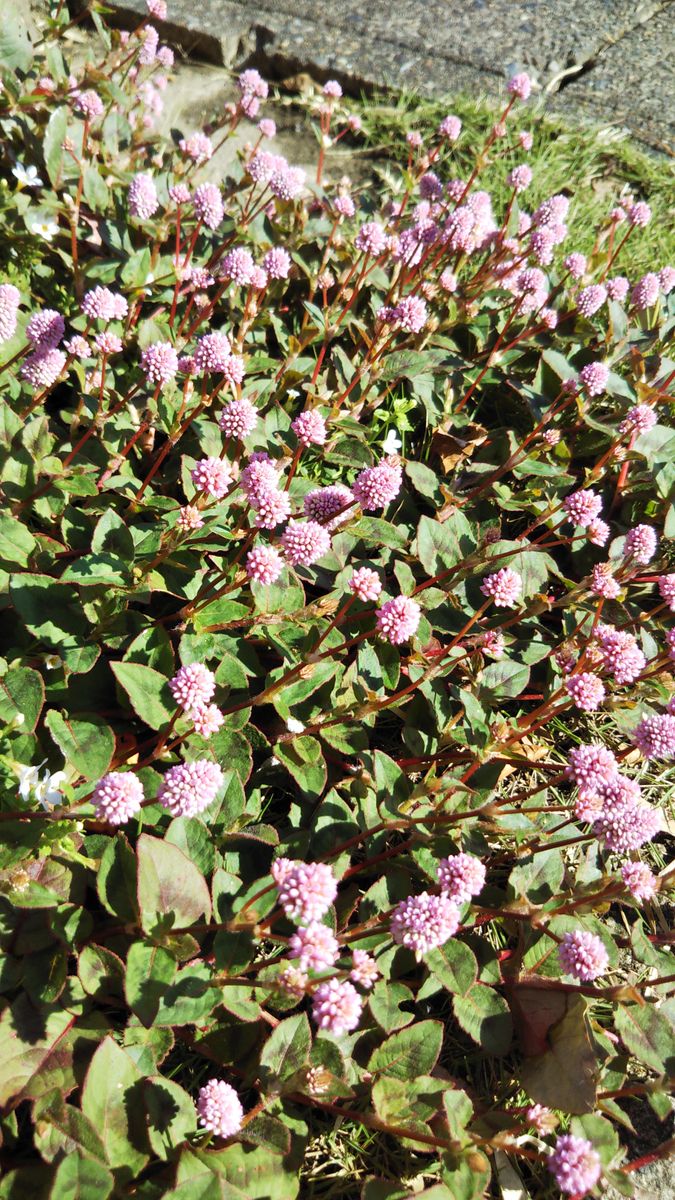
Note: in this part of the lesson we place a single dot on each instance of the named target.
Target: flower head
(603, 582)
(365, 584)
(590, 766)
(118, 797)
(504, 587)
(639, 880)
(329, 506)
(617, 288)
(520, 85)
(397, 619)
(310, 428)
(639, 214)
(213, 352)
(219, 1108)
(208, 205)
(142, 197)
(46, 329)
(520, 177)
(622, 657)
(639, 419)
(336, 1006)
(305, 542)
(238, 419)
(423, 922)
(10, 299)
(364, 969)
(461, 876)
(667, 589)
(574, 1165)
(159, 362)
(193, 686)
(586, 690)
(315, 946)
(450, 127)
(590, 299)
(655, 736)
(213, 476)
(582, 507)
(207, 719)
(42, 368)
(277, 263)
(594, 378)
(197, 147)
(371, 239)
(306, 890)
(582, 955)
(640, 545)
(375, 487)
(102, 304)
(264, 564)
(646, 291)
(189, 788)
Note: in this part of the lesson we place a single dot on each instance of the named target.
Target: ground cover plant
(336, 690)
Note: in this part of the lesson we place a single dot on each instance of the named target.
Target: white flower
(47, 791)
(44, 229)
(26, 176)
(392, 443)
(294, 726)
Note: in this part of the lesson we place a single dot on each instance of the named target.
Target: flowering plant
(357, 765)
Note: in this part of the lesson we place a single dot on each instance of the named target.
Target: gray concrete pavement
(609, 60)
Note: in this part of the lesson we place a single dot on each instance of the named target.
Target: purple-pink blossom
(264, 564)
(277, 263)
(398, 619)
(639, 880)
(219, 1109)
(213, 476)
(504, 587)
(646, 291)
(591, 299)
(575, 1165)
(365, 584)
(10, 299)
(118, 797)
(582, 507)
(315, 945)
(159, 362)
(594, 378)
(461, 876)
(655, 736)
(238, 419)
(371, 239)
(336, 1006)
(586, 690)
(375, 487)
(364, 969)
(193, 685)
(208, 205)
(421, 923)
(330, 506)
(310, 428)
(305, 542)
(306, 890)
(641, 543)
(583, 955)
(189, 788)
(142, 197)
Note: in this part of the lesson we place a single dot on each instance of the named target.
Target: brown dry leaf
(564, 1076)
(451, 450)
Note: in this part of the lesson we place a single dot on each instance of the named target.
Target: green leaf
(16, 542)
(190, 999)
(386, 1001)
(409, 1053)
(96, 191)
(539, 877)
(303, 759)
(52, 145)
(116, 879)
(148, 692)
(171, 1114)
(51, 610)
(378, 532)
(88, 746)
(600, 1132)
(504, 679)
(92, 570)
(16, 48)
(287, 1048)
(111, 1101)
(149, 970)
(454, 966)
(80, 1178)
(486, 1017)
(171, 891)
(444, 545)
(28, 1036)
(649, 1033)
(61, 1128)
(22, 691)
(100, 972)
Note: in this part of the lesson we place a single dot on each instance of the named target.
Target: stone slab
(605, 59)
